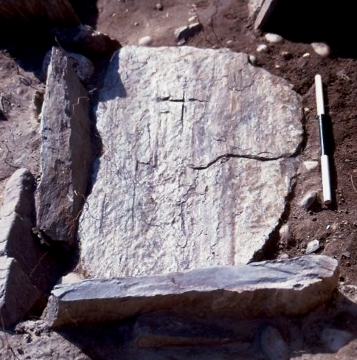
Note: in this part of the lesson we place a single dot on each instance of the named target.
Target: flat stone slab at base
(264, 289)
(196, 162)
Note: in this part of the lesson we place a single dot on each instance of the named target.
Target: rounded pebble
(286, 55)
(285, 235)
(321, 49)
(71, 278)
(159, 7)
(306, 55)
(145, 41)
(273, 38)
(252, 59)
(308, 200)
(312, 246)
(262, 48)
(311, 165)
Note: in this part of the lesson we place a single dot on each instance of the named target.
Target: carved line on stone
(226, 157)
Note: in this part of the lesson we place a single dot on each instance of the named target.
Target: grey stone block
(272, 288)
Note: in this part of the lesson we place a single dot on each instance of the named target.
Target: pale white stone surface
(196, 162)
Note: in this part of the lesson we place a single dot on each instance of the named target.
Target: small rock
(312, 246)
(71, 278)
(252, 59)
(308, 200)
(262, 48)
(159, 7)
(283, 256)
(342, 75)
(273, 345)
(321, 49)
(37, 102)
(145, 41)
(306, 109)
(285, 235)
(229, 42)
(186, 32)
(335, 339)
(306, 55)
(136, 24)
(273, 38)
(346, 254)
(311, 165)
(286, 55)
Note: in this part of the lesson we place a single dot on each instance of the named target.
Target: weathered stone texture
(196, 162)
(285, 287)
(254, 6)
(17, 294)
(17, 219)
(65, 151)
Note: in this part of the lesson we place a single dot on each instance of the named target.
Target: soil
(226, 23)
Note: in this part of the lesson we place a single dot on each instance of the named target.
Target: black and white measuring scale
(325, 167)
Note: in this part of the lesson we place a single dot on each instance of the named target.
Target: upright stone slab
(65, 152)
(196, 162)
(17, 294)
(17, 240)
(265, 289)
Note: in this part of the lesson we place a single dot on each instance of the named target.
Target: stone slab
(17, 220)
(264, 289)
(196, 163)
(17, 294)
(65, 152)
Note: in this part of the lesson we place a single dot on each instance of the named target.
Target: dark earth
(226, 23)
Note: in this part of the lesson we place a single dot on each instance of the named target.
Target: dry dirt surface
(225, 24)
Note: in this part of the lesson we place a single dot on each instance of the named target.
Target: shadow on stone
(163, 335)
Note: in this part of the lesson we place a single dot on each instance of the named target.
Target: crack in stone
(226, 157)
